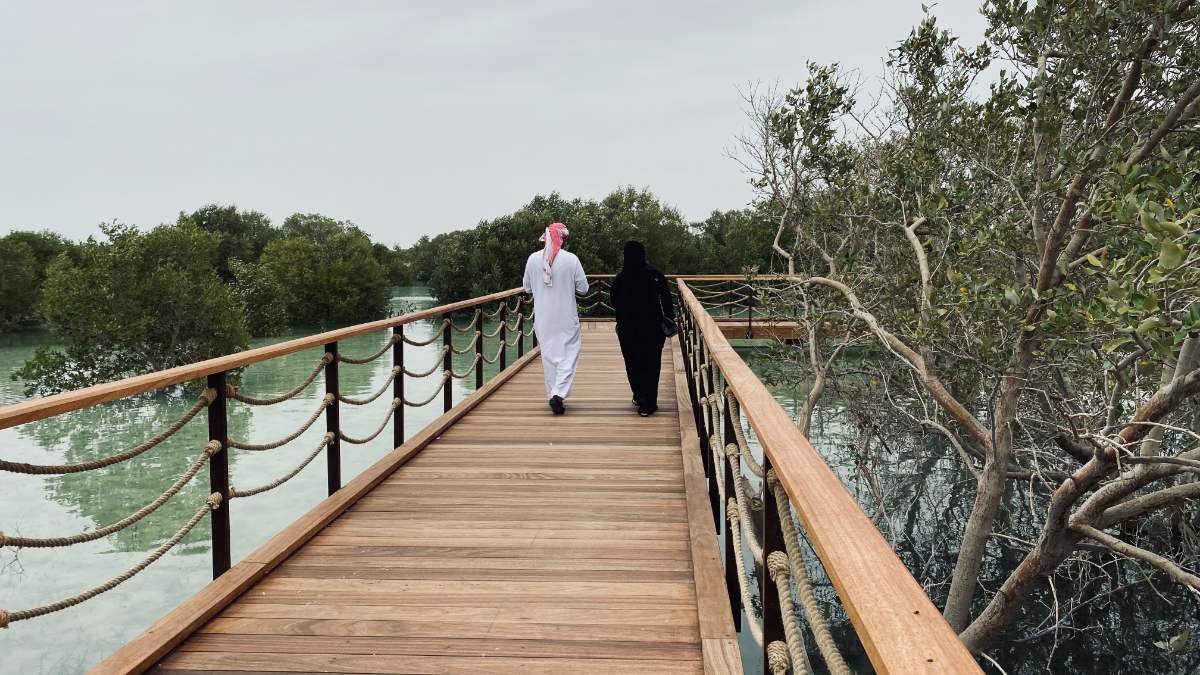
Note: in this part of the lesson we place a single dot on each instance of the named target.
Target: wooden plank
(899, 627)
(141, 652)
(718, 637)
(49, 406)
(361, 663)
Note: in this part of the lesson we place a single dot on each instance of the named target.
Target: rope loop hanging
(379, 392)
(235, 394)
(325, 441)
(396, 403)
(436, 391)
(432, 339)
(211, 504)
(469, 371)
(467, 347)
(392, 340)
(210, 449)
(246, 445)
(205, 400)
(437, 365)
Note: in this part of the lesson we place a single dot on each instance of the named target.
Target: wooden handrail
(49, 406)
(898, 625)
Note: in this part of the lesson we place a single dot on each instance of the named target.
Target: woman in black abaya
(642, 301)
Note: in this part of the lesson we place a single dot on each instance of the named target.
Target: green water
(72, 640)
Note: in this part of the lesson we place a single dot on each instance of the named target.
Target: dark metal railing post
(772, 540)
(448, 363)
(731, 574)
(218, 474)
(503, 334)
(478, 348)
(398, 385)
(333, 452)
(520, 331)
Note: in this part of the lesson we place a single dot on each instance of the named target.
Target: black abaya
(641, 299)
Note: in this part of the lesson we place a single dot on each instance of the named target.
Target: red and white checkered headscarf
(554, 236)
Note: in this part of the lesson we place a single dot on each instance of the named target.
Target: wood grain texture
(900, 628)
(515, 541)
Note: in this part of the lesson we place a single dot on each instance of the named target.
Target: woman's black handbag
(667, 326)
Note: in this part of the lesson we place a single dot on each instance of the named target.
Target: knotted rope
(743, 502)
(203, 402)
(467, 347)
(740, 435)
(367, 359)
(470, 369)
(778, 568)
(211, 448)
(436, 365)
(445, 378)
(421, 343)
(499, 350)
(777, 660)
(233, 393)
(213, 503)
(469, 327)
(753, 621)
(396, 403)
(799, 572)
(384, 387)
(246, 445)
(325, 441)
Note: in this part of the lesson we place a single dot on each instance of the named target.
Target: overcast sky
(407, 118)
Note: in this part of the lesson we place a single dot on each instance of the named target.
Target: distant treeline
(492, 255)
(136, 301)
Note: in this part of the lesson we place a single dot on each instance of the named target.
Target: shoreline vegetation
(133, 301)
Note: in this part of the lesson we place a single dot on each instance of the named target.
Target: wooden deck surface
(515, 542)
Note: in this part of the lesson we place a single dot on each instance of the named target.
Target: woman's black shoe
(556, 404)
(646, 412)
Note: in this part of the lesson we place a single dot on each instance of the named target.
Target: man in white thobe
(554, 276)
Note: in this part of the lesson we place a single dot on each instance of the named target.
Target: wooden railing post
(448, 362)
(333, 452)
(218, 474)
(750, 313)
(398, 385)
(772, 540)
(478, 348)
(503, 334)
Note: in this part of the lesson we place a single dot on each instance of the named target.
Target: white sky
(407, 118)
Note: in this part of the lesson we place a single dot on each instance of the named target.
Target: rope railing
(396, 403)
(437, 365)
(58, 542)
(7, 618)
(470, 369)
(203, 402)
(753, 620)
(216, 397)
(436, 391)
(387, 347)
(236, 394)
(235, 493)
(271, 445)
(432, 339)
(387, 383)
(726, 391)
(467, 347)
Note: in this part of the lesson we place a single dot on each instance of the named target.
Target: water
(73, 640)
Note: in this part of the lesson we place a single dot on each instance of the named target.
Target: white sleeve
(581, 282)
(527, 283)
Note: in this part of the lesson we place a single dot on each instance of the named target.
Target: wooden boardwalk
(515, 542)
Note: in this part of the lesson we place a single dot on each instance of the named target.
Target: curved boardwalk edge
(146, 649)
